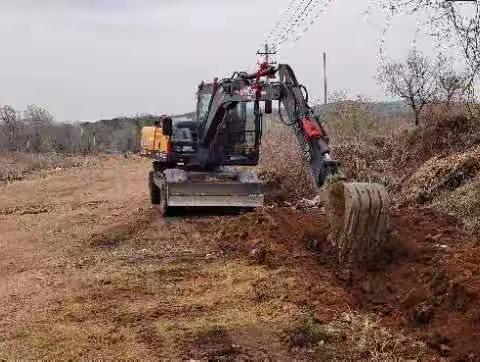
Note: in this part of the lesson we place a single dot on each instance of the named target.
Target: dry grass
(358, 121)
(443, 174)
(442, 134)
(464, 203)
(397, 156)
(282, 166)
(16, 166)
(360, 138)
(148, 288)
(200, 310)
(435, 165)
(356, 336)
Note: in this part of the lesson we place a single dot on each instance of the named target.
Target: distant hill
(392, 108)
(387, 109)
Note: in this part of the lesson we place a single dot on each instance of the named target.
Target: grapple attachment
(358, 214)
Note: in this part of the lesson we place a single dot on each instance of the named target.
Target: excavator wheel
(158, 195)
(155, 196)
(358, 215)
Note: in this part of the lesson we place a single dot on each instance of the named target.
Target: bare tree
(38, 123)
(10, 125)
(454, 22)
(466, 29)
(414, 81)
(452, 87)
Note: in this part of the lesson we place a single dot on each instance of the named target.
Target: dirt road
(89, 270)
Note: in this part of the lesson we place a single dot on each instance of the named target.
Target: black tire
(155, 194)
(162, 205)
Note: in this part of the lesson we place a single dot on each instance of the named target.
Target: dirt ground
(89, 270)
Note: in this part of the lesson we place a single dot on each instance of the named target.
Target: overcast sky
(88, 59)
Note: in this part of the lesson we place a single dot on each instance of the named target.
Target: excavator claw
(358, 214)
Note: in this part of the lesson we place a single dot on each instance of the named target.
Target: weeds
(308, 334)
(282, 166)
(16, 166)
(357, 336)
(352, 337)
(443, 174)
(463, 202)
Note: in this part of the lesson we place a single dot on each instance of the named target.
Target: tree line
(35, 130)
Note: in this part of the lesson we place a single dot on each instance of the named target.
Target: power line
(322, 10)
(283, 19)
(295, 8)
(295, 21)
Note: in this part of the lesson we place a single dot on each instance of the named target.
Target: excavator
(209, 158)
(153, 142)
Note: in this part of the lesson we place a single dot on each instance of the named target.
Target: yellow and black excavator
(153, 142)
(203, 155)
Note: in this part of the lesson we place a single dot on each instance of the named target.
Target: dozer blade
(201, 189)
(358, 214)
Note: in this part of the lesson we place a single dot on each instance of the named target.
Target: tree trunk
(417, 118)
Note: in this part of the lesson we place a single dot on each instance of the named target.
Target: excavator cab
(239, 135)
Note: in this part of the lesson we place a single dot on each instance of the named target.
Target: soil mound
(269, 235)
(442, 174)
(426, 282)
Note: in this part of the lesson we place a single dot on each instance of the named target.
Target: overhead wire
(295, 21)
(293, 10)
(309, 21)
(286, 15)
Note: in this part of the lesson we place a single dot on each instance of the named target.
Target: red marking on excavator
(312, 129)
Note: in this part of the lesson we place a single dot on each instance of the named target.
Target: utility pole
(325, 84)
(267, 53)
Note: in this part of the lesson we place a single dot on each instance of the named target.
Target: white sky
(90, 59)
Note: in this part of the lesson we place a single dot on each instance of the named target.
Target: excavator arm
(310, 133)
(358, 212)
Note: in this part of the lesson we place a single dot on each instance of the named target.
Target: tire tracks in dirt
(102, 276)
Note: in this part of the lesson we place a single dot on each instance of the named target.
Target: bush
(464, 203)
(282, 166)
(443, 174)
(16, 166)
